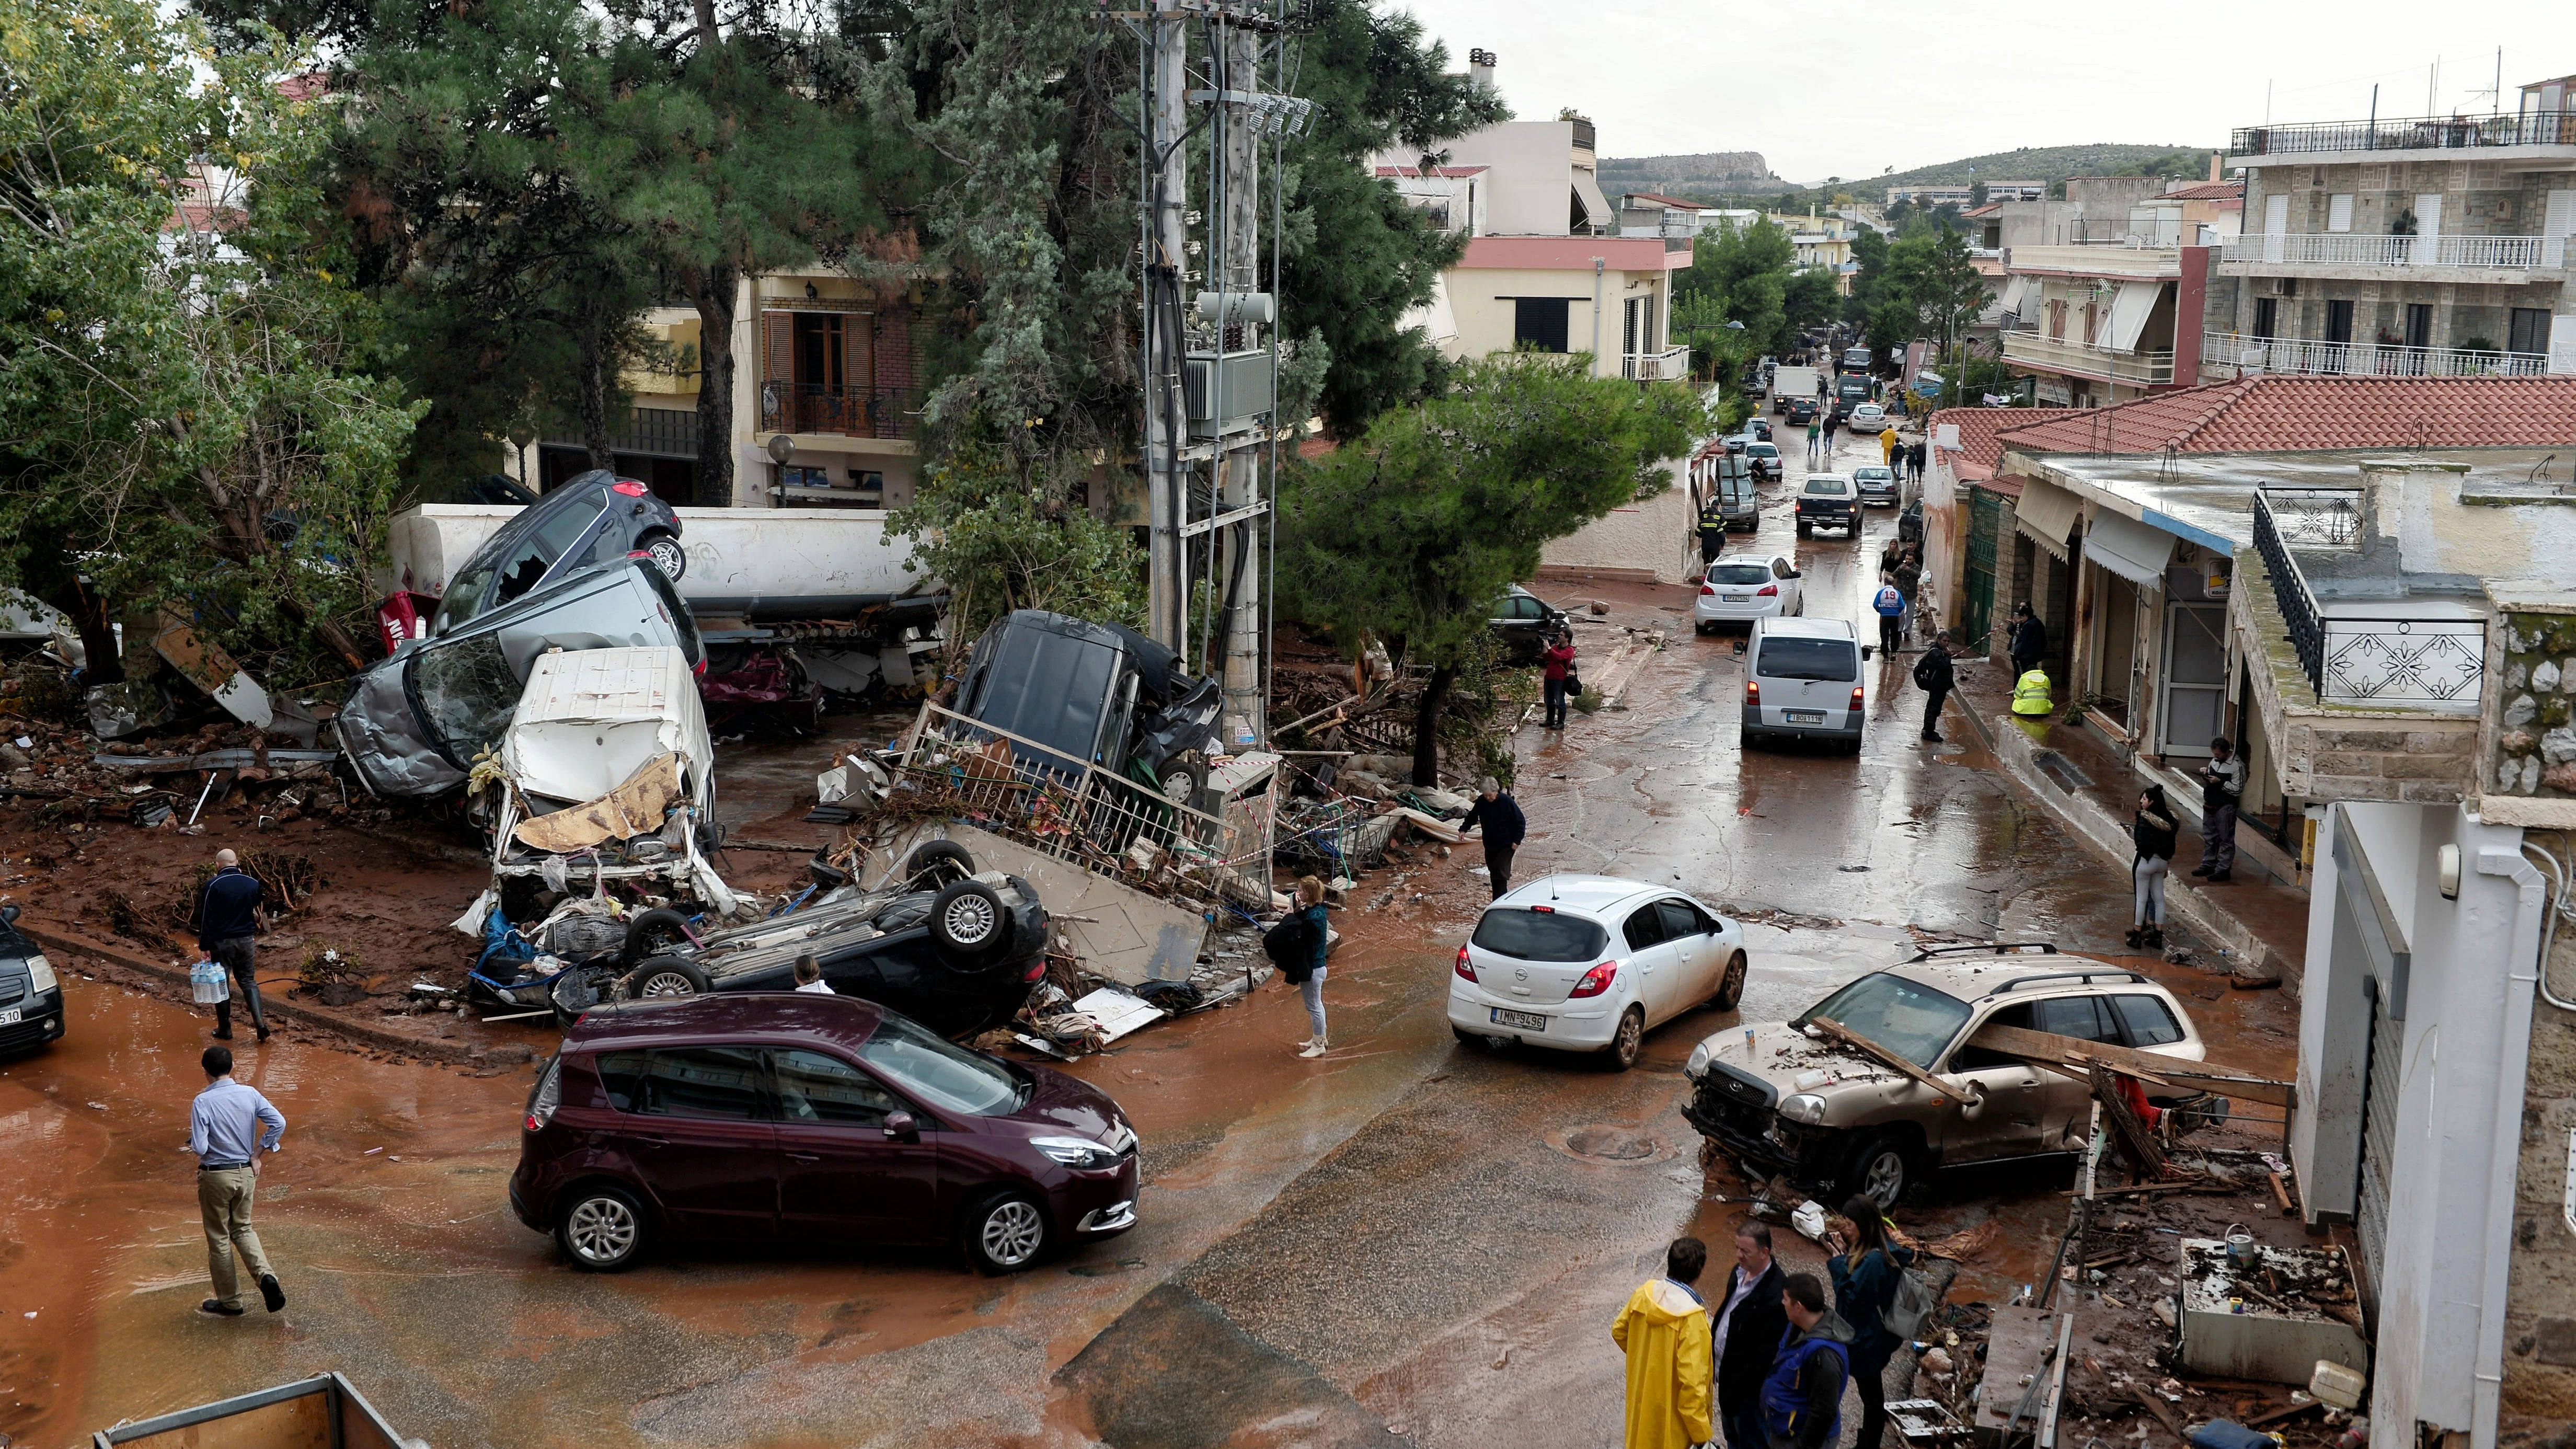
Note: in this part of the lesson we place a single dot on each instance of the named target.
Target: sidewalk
(2256, 920)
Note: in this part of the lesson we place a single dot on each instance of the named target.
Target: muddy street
(1408, 1240)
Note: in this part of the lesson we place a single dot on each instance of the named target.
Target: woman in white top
(809, 975)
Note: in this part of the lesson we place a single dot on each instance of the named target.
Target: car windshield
(939, 1073)
(1743, 573)
(467, 694)
(1912, 1020)
(1873, 475)
(1533, 935)
(464, 597)
(1808, 659)
(1764, 450)
(1835, 487)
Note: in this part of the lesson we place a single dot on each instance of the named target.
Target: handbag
(1911, 1304)
(1573, 682)
(210, 983)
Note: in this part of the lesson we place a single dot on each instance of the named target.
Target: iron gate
(1977, 600)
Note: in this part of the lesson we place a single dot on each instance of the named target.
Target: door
(2557, 222)
(2527, 331)
(1976, 610)
(1652, 956)
(2276, 227)
(2428, 229)
(1697, 960)
(2195, 682)
(2008, 1125)
(698, 1135)
(2339, 321)
(2266, 317)
(2380, 1082)
(838, 1173)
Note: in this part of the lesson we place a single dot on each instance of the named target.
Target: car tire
(601, 1229)
(657, 932)
(1628, 1043)
(935, 864)
(1743, 742)
(666, 553)
(1183, 776)
(1805, 529)
(969, 922)
(1005, 1233)
(666, 978)
(1730, 986)
(1882, 1171)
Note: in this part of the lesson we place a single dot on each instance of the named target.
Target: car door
(839, 1173)
(2010, 1122)
(699, 1136)
(1692, 938)
(2067, 1108)
(1651, 957)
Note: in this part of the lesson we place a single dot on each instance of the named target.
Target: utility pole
(1165, 86)
(1237, 275)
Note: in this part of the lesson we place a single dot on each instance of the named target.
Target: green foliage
(1001, 543)
(2182, 165)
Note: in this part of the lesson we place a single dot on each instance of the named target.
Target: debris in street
(1116, 1012)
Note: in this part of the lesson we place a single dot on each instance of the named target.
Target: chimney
(2217, 165)
(1480, 69)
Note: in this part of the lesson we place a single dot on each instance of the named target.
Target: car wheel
(1743, 742)
(1630, 1039)
(667, 555)
(657, 932)
(969, 922)
(1805, 529)
(937, 863)
(666, 978)
(601, 1230)
(1881, 1171)
(1730, 987)
(1182, 776)
(1006, 1234)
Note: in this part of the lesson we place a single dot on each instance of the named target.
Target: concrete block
(2351, 787)
(2355, 739)
(2424, 767)
(2432, 792)
(2461, 741)
(2346, 762)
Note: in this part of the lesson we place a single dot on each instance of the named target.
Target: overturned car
(1093, 694)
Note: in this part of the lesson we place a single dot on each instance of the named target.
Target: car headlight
(1806, 1108)
(1076, 1151)
(40, 973)
(1697, 1066)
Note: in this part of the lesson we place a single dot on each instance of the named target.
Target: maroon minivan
(739, 1118)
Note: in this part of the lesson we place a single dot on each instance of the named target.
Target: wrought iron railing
(2290, 591)
(2381, 661)
(884, 412)
(2362, 359)
(2433, 133)
(2315, 518)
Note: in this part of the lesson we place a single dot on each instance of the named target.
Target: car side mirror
(1739, 647)
(8, 915)
(1865, 650)
(900, 1127)
(1797, 573)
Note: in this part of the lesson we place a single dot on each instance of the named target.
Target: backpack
(1911, 1305)
(1925, 676)
(1290, 945)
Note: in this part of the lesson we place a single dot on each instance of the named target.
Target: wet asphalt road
(1410, 1241)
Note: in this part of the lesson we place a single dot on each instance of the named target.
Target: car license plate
(1806, 716)
(9, 1017)
(1737, 598)
(1526, 1021)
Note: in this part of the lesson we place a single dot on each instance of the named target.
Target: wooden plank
(2277, 1415)
(2136, 1142)
(2281, 1194)
(2164, 1415)
(2048, 1047)
(1836, 1031)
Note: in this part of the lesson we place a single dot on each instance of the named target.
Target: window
(2419, 324)
(1526, 935)
(2338, 321)
(803, 477)
(1979, 1059)
(2087, 1018)
(1538, 324)
(945, 1075)
(1682, 920)
(1645, 928)
(1825, 659)
(2527, 330)
(813, 1087)
(2150, 1021)
(2339, 213)
(2266, 317)
(1907, 1018)
(819, 352)
(710, 1082)
(1746, 574)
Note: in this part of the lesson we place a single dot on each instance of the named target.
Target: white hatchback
(1589, 963)
(1738, 591)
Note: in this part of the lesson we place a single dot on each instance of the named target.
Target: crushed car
(1093, 694)
(588, 520)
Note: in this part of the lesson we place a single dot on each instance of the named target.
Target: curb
(2097, 828)
(277, 1007)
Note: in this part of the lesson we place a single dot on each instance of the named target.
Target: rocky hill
(1699, 175)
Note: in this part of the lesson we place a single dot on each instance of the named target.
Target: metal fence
(2381, 661)
(2315, 518)
(2431, 133)
(2362, 359)
(884, 412)
(2366, 249)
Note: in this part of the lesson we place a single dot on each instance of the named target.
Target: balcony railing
(2442, 133)
(883, 412)
(2144, 369)
(2316, 520)
(2378, 661)
(1670, 365)
(2361, 359)
(2360, 249)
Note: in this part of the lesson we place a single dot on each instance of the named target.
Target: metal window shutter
(2378, 1133)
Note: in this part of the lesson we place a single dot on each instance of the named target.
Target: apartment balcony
(2360, 256)
(2247, 354)
(883, 412)
(2049, 354)
(1670, 365)
(2538, 136)
(2126, 257)
(2382, 655)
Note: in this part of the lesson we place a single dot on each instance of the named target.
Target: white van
(1802, 677)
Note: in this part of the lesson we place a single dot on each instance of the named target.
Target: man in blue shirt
(229, 1126)
(226, 919)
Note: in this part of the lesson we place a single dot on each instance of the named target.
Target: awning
(2130, 549)
(1587, 194)
(2129, 313)
(2047, 513)
(2015, 290)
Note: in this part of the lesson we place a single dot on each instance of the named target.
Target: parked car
(1801, 411)
(1738, 591)
(1093, 694)
(1868, 418)
(414, 723)
(1591, 963)
(1877, 485)
(590, 519)
(1828, 501)
(1802, 680)
(1850, 393)
(1730, 484)
(954, 948)
(1524, 623)
(1759, 427)
(810, 1119)
(31, 996)
(1765, 458)
(1787, 1101)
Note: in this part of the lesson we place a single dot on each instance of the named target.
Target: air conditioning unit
(1248, 391)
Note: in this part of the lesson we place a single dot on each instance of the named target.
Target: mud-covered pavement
(1406, 1241)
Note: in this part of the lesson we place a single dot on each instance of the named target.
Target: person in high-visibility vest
(2030, 694)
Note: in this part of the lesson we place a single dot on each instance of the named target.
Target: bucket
(2241, 1250)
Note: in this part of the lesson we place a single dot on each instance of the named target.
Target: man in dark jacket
(1747, 1330)
(1802, 1399)
(2028, 641)
(1932, 673)
(226, 918)
(1500, 817)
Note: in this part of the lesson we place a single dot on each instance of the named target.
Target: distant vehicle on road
(31, 996)
(1738, 591)
(1877, 485)
(1850, 393)
(1759, 427)
(1784, 1099)
(1802, 681)
(1856, 359)
(1590, 963)
(1801, 411)
(1765, 458)
(1791, 384)
(1828, 501)
(1868, 417)
(814, 1119)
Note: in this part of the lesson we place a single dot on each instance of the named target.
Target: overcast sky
(1853, 89)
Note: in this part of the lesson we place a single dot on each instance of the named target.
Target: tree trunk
(1426, 725)
(88, 615)
(711, 290)
(597, 367)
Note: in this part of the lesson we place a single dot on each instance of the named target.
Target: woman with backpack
(1868, 1267)
(2153, 833)
(1297, 945)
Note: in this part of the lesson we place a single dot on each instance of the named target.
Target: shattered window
(467, 694)
(1908, 1018)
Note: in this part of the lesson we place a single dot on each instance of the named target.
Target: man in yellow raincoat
(1664, 1330)
(2030, 694)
